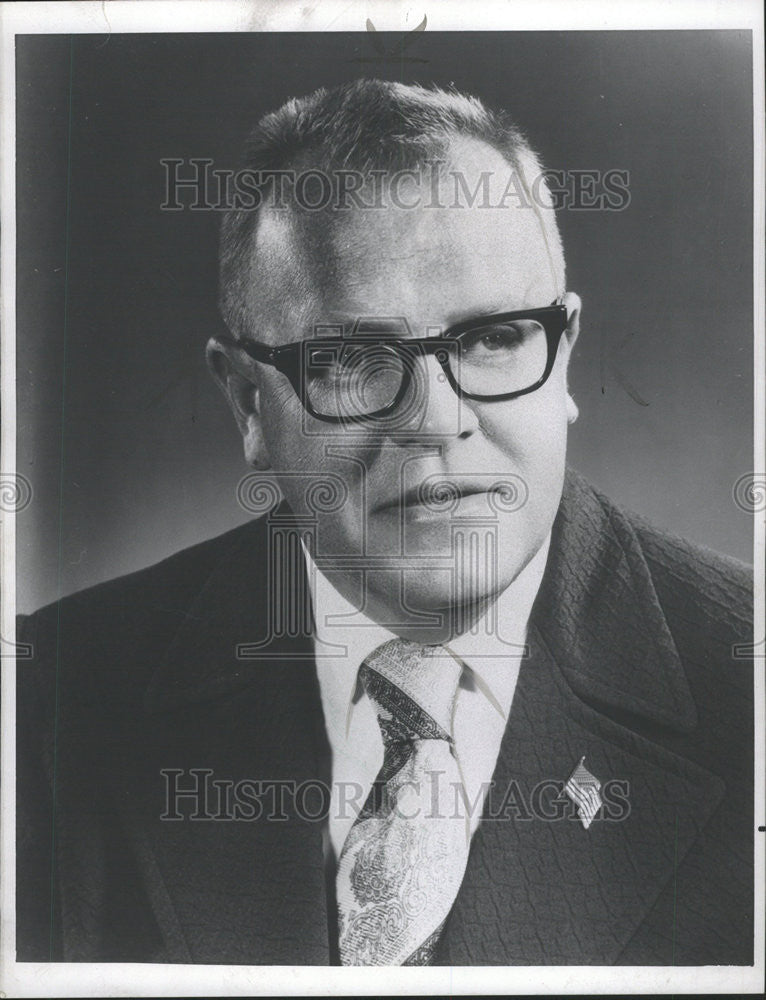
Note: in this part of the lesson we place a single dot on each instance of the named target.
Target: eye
(498, 339)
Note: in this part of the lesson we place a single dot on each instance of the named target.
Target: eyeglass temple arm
(258, 352)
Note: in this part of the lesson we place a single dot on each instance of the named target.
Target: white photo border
(192, 16)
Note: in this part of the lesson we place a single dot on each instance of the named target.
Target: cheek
(308, 456)
(531, 431)
(283, 420)
(531, 435)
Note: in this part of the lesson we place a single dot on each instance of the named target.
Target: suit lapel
(243, 882)
(602, 678)
(545, 890)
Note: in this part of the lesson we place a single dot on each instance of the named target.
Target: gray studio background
(127, 444)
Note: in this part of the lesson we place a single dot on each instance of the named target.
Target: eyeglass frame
(288, 358)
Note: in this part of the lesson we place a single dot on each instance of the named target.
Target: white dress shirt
(490, 656)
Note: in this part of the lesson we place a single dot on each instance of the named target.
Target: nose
(438, 411)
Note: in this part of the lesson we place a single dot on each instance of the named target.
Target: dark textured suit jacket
(631, 664)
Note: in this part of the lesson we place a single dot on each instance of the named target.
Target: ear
(573, 304)
(243, 396)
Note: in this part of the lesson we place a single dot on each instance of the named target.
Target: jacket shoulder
(706, 599)
(692, 583)
(108, 637)
(707, 589)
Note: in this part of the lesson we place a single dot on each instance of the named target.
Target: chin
(478, 571)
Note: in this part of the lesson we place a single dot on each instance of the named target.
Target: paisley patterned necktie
(404, 858)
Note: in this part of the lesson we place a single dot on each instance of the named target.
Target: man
(445, 704)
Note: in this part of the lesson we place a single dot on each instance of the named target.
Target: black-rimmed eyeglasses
(368, 374)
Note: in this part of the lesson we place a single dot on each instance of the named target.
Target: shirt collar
(344, 637)
(499, 638)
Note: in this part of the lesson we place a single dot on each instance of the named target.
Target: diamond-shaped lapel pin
(583, 789)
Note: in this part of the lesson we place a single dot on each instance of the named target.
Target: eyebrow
(491, 310)
(391, 324)
(347, 318)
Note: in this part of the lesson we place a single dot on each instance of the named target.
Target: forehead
(439, 245)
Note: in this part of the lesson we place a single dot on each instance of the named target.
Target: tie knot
(415, 684)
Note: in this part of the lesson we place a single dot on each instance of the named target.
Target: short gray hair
(365, 125)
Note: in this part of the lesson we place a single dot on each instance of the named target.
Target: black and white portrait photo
(383, 499)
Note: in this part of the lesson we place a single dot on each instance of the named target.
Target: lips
(434, 495)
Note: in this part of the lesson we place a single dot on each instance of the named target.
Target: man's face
(434, 267)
